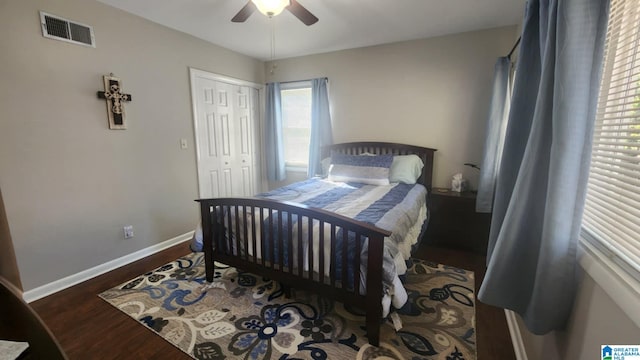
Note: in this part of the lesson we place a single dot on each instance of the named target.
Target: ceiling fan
(274, 7)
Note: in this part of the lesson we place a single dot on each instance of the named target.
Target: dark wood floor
(89, 328)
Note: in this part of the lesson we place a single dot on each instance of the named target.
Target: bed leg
(374, 289)
(209, 265)
(207, 239)
(287, 290)
(373, 329)
(209, 271)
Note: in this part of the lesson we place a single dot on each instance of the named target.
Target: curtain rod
(295, 81)
(514, 47)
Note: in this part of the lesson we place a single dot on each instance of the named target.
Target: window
(611, 219)
(296, 124)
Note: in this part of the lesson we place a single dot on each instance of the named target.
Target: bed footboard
(271, 238)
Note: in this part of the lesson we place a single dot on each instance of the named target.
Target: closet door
(245, 141)
(207, 129)
(225, 116)
(227, 139)
(255, 139)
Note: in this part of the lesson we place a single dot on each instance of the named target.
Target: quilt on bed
(399, 208)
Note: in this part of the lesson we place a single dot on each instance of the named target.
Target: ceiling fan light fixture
(271, 7)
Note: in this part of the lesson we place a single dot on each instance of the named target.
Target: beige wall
(69, 183)
(433, 92)
(596, 320)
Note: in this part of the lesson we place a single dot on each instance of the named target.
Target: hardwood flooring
(89, 328)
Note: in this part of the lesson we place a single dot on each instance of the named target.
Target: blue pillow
(363, 169)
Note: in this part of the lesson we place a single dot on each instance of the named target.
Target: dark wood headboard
(384, 148)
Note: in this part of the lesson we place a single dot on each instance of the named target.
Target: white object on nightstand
(458, 184)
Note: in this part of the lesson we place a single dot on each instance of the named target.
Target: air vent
(55, 27)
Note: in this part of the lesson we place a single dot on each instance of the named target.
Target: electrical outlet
(128, 231)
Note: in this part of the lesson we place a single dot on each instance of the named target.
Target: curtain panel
(321, 133)
(274, 148)
(541, 185)
(496, 130)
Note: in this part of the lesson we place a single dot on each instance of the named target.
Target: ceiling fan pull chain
(273, 44)
(273, 38)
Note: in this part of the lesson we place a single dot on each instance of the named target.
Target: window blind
(296, 124)
(612, 210)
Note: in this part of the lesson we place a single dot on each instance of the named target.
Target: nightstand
(454, 222)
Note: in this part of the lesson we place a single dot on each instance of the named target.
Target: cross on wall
(115, 101)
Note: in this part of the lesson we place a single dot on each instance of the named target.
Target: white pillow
(406, 169)
(373, 170)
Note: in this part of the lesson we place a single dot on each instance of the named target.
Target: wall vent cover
(55, 27)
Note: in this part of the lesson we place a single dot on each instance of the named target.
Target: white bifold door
(226, 118)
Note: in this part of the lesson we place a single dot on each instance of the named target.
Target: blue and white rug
(245, 316)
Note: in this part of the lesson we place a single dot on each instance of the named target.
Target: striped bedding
(399, 208)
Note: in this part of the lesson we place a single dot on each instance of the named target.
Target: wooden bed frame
(229, 250)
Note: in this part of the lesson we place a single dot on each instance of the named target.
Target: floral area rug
(245, 316)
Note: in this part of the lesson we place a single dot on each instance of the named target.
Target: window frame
(613, 271)
(295, 85)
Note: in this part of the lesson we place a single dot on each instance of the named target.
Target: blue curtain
(321, 133)
(496, 129)
(274, 147)
(540, 188)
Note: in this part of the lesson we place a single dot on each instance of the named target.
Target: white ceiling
(343, 24)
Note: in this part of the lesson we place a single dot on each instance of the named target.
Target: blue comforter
(399, 208)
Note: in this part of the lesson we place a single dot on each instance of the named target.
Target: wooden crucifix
(115, 101)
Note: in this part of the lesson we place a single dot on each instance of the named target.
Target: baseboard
(58, 285)
(516, 336)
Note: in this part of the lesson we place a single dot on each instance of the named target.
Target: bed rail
(266, 237)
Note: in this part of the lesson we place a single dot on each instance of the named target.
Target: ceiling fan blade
(302, 13)
(245, 12)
